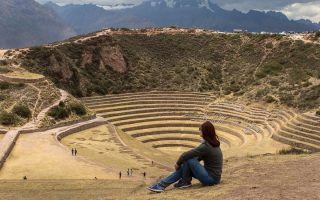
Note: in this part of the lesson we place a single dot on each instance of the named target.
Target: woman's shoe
(156, 188)
(182, 184)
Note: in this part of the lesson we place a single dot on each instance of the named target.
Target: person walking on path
(120, 174)
(188, 165)
(144, 175)
(128, 172)
(72, 151)
(75, 151)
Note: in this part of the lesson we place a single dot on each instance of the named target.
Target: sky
(294, 9)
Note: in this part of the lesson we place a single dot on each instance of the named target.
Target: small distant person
(25, 178)
(72, 151)
(95, 178)
(75, 151)
(152, 163)
(144, 175)
(120, 174)
(128, 172)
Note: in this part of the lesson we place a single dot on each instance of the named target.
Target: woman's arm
(196, 152)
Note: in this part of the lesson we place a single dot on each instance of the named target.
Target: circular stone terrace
(169, 121)
(147, 131)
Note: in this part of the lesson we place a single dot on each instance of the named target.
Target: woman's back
(213, 160)
(211, 156)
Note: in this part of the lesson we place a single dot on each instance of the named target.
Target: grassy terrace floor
(23, 75)
(100, 154)
(99, 146)
(40, 156)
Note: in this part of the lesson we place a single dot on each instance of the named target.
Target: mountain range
(27, 22)
(181, 13)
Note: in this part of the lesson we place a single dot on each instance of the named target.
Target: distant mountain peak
(208, 4)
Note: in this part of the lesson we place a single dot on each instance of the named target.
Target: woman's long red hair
(209, 134)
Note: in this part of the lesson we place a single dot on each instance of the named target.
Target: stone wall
(9, 140)
(68, 123)
(6, 145)
(83, 127)
(21, 80)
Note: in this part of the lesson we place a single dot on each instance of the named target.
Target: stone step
(296, 143)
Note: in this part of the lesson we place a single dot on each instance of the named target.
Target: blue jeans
(190, 168)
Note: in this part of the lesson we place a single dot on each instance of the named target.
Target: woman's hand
(176, 166)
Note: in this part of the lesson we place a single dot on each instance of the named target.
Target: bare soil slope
(262, 177)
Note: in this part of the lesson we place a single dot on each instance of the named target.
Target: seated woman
(188, 165)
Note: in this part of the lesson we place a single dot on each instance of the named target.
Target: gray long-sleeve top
(211, 156)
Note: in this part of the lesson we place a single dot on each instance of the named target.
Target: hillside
(268, 68)
(26, 23)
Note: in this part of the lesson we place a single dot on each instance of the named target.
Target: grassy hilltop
(269, 68)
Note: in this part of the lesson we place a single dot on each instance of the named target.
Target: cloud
(242, 5)
(246, 5)
(97, 2)
(309, 10)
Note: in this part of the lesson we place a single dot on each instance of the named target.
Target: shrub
(262, 92)
(274, 82)
(234, 88)
(306, 84)
(2, 97)
(269, 45)
(78, 109)
(269, 99)
(62, 104)
(7, 118)
(20, 85)
(270, 68)
(58, 112)
(22, 111)
(4, 62)
(287, 98)
(4, 85)
(292, 150)
(4, 70)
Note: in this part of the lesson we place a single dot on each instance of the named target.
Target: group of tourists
(74, 151)
(130, 172)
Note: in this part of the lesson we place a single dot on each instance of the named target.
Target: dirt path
(37, 119)
(37, 101)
